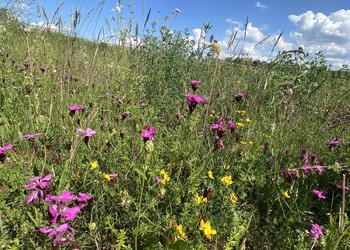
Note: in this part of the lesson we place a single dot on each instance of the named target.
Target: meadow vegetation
(164, 146)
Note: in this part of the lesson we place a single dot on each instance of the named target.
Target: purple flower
(83, 197)
(333, 142)
(316, 231)
(65, 196)
(58, 233)
(219, 127)
(239, 97)
(219, 143)
(31, 136)
(231, 125)
(5, 148)
(37, 184)
(193, 100)
(195, 84)
(148, 133)
(125, 114)
(158, 180)
(341, 187)
(319, 169)
(88, 132)
(307, 169)
(43, 69)
(319, 194)
(76, 107)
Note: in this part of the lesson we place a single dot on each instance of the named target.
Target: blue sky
(313, 24)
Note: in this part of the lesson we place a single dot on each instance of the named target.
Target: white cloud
(260, 5)
(316, 32)
(251, 42)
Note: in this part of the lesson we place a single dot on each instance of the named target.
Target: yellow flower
(93, 165)
(286, 195)
(233, 198)
(180, 231)
(105, 177)
(227, 180)
(250, 143)
(207, 230)
(239, 124)
(200, 199)
(210, 175)
(247, 120)
(165, 178)
(241, 112)
(243, 143)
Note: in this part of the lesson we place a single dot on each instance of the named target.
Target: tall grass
(291, 138)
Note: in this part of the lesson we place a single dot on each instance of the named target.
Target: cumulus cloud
(317, 31)
(251, 41)
(260, 5)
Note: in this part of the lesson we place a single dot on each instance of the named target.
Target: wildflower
(125, 115)
(207, 230)
(319, 194)
(148, 133)
(201, 199)
(105, 177)
(231, 125)
(178, 113)
(158, 180)
(195, 84)
(31, 136)
(239, 125)
(247, 120)
(239, 97)
(43, 69)
(292, 173)
(74, 108)
(37, 185)
(193, 100)
(307, 169)
(180, 231)
(5, 148)
(88, 132)
(210, 175)
(333, 142)
(233, 198)
(58, 234)
(227, 180)
(286, 195)
(93, 165)
(319, 169)
(219, 143)
(65, 197)
(316, 231)
(219, 127)
(241, 112)
(165, 178)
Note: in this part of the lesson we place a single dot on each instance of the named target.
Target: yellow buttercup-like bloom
(239, 124)
(180, 231)
(165, 178)
(210, 175)
(286, 195)
(233, 198)
(206, 228)
(105, 177)
(247, 120)
(93, 165)
(227, 180)
(200, 199)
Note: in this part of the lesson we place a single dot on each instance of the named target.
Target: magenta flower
(316, 231)
(219, 143)
(195, 84)
(76, 107)
(231, 125)
(148, 133)
(88, 132)
(58, 233)
(219, 127)
(193, 100)
(5, 148)
(319, 169)
(65, 196)
(31, 136)
(341, 187)
(239, 97)
(37, 184)
(158, 180)
(319, 194)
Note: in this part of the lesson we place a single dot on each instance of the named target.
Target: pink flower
(240, 96)
(65, 196)
(195, 84)
(76, 107)
(31, 136)
(148, 133)
(58, 233)
(38, 185)
(193, 100)
(158, 180)
(231, 125)
(319, 194)
(88, 132)
(319, 169)
(5, 148)
(316, 231)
